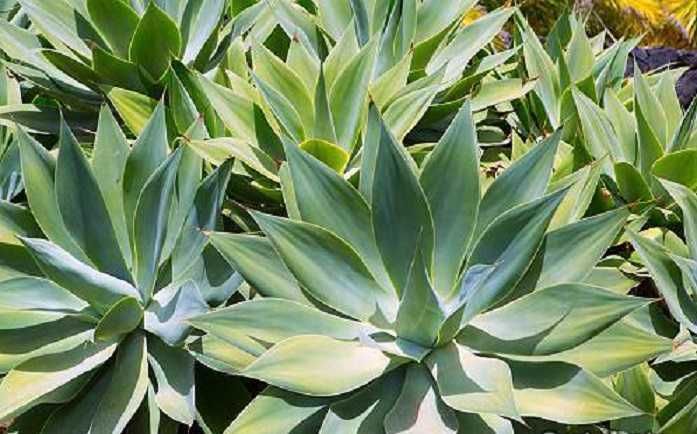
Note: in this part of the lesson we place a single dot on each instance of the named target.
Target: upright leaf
(155, 42)
(150, 223)
(454, 201)
(83, 208)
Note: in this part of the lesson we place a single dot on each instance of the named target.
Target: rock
(649, 59)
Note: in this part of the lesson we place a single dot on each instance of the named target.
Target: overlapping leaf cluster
(345, 216)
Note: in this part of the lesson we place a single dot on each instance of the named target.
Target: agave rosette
(411, 59)
(109, 262)
(76, 52)
(412, 304)
(655, 139)
(569, 60)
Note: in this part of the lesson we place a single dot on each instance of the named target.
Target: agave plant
(569, 59)
(110, 262)
(653, 139)
(674, 271)
(413, 304)
(413, 60)
(76, 52)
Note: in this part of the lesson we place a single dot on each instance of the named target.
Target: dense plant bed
(345, 216)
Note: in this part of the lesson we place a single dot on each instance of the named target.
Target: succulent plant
(415, 62)
(76, 52)
(674, 271)
(655, 139)
(111, 260)
(413, 303)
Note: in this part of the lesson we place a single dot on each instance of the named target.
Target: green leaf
(236, 112)
(348, 95)
(634, 385)
(566, 394)
(597, 129)
(524, 181)
(539, 65)
(410, 104)
(285, 81)
(328, 268)
(38, 168)
(419, 409)
(98, 289)
(283, 110)
(174, 372)
(182, 108)
(396, 192)
(328, 153)
(197, 27)
(147, 154)
(150, 223)
(62, 22)
(568, 254)
(326, 199)
(580, 57)
(77, 415)
(467, 43)
(116, 34)
(549, 320)
(473, 384)
(420, 314)
(687, 201)
(510, 244)
(318, 365)
(216, 151)
(650, 147)
(603, 355)
(623, 123)
(134, 108)
(201, 214)
(155, 42)
(128, 387)
(454, 201)
(632, 185)
(17, 220)
(276, 411)
(255, 258)
(365, 410)
(672, 167)
(324, 123)
(668, 278)
(679, 415)
(682, 135)
(72, 67)
(32, 293)
(667, 95)
(29, 382)
(123, 317)
(168, 314)
(30, 334)
(221, 356)
(273, 320)
(109, 161)
(83, 208)
(129, 88)
(361, 21)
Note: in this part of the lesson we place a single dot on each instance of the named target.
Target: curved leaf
(155, 41)
(319, 365)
